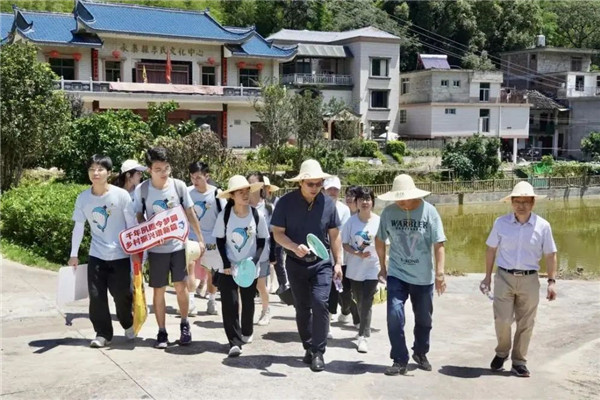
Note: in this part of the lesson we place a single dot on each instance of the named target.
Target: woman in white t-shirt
(241, 232)
(362, 263)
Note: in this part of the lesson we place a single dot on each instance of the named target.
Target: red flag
(169, 68)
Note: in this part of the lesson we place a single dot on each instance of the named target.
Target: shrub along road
(42, 357)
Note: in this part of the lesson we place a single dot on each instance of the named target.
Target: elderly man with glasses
(298, 213)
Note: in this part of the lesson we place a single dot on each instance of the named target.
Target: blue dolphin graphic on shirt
(160, 205)
(362, 240)
(200, 208)
(100, 217)
(239, 238)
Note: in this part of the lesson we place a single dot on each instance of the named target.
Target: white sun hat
(333, 182)
(403, 188)
(129, 165)
(192, 251)
(310, 169)
(238, 182)
(521, 189)
(267, 182)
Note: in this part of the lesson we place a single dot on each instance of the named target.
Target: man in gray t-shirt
(157, 194)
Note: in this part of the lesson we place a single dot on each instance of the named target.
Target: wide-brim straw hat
(192, 251)
(522, 189)
(310, 169)
(403, 188)
(238, 182)
(267, 182)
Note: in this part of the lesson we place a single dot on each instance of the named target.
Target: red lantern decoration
(259, 66)
(116, 54)
(77, 56)
(54, 54)
(211, 60)
(241, 64)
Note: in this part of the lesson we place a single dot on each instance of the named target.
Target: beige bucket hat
(267, 182)
(238, 182)
(522, 189)
(403, 188)
(310, 169)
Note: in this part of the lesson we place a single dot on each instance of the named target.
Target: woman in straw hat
(298, 213)
(240, 232)
(518, 241)
(413, 227)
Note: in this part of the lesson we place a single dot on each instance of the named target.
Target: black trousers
(280, 266)
(364, 292)
(345, 299)
(114, 277)
(230, 305)
(310, 285)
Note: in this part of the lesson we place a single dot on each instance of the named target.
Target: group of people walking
(241, 222)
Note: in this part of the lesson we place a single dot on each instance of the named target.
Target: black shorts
(163, 263)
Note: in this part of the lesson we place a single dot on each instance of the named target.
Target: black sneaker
(520, 370)
(162, 340)
(318, 364)
(497, 363)
(307, 359)
(422, 362)
(396, 369)
(186, 336)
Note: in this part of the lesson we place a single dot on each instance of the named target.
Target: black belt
(309, 258)
(519, 272)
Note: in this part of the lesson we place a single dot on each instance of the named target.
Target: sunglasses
(314, 184)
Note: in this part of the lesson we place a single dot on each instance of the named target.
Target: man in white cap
(298, 213)
(517, 242)
(413, 227)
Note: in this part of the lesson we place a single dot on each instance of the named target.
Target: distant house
(565, 75)
(439, 102)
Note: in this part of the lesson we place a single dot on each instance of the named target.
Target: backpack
(144, 191)
(219, 207)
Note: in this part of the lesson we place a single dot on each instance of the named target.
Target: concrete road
(43, 357)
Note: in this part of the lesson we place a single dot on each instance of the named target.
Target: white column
(555, 135)
(514, 155)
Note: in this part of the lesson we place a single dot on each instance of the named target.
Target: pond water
(575, 226)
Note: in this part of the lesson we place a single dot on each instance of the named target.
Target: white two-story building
(360, 67)
(437, 101)
(116, 56)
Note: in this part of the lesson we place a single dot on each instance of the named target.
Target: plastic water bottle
(338, 285)
(486, 290)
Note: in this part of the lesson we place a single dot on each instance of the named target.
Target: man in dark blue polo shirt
(297, 214)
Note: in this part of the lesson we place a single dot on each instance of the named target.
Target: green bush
(369, 148)
(362, 173)
(398, 157)
(395, 146)
(39, 217)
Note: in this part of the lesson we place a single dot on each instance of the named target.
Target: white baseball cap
(333, 182)
(129, 165)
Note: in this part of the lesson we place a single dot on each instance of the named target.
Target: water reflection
(575, 225)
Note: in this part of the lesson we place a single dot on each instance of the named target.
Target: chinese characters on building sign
(168, 224)
(158, 50)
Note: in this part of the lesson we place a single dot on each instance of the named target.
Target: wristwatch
(551, 280)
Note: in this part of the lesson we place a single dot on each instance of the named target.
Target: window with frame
(404, 85)
(579, 83)
(576, 64)
(209, 76)
(484, 91)
(445, 82)
(456, 83)
(403, 116)
(484, 118)
(378, 128)
(249, 77)
(380, 67)
(379, 98)
(63, 67)
(450, 111)
(112, 71)
(156, 72)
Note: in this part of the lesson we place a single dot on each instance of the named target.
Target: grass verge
(20, 254)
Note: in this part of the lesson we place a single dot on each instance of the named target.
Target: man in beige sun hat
(413, 227)
(517, 242)
(298, 213)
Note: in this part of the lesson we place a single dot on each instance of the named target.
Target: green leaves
(590, 145)
(473, 158)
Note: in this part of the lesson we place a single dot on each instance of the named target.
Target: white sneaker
(332, 317)
(343, 318)
(265, 317)
(234, 351)
(329, 335)
(211, 308)
(99, 342)
(192, 309)
(362, 345)
(357, 326)
(129, 333)
(247, 339)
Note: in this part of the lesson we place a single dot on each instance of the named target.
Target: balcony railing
(317, 79)
(136, 87)
(579, 91)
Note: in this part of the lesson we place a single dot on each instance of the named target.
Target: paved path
(42, 357)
